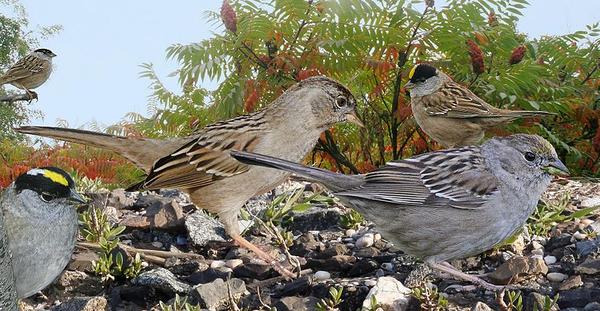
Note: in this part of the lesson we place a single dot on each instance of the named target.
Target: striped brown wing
(454, 178)
(25, 67)
(206, 158)
(456, 101)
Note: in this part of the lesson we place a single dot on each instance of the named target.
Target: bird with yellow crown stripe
(38, 231)
(451, 114)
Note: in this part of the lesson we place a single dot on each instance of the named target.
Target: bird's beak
(53, 55)
(557, 168)
(76, 197)
(353, 118)
(409, 85)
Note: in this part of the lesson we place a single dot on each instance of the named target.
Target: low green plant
(283, 205)
(334, 300)
(373, 304)
(548, 215)
(429, 298)
(97, 229)
(548, 304)
(351, 220)
(514, 303)
(179, 304)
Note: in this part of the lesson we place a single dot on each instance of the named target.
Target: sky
(103, 43)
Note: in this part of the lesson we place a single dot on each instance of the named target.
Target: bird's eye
(529, 156)
(341, 101)
(46, 197)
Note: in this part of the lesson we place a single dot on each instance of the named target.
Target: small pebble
(232, 263)
(370, 283)
(365, 241)
(379, 273)
(350, 245)
(550, 260)
(537, 252)
(322, 275)
(387, 266)
(376, 237)
(347, 240)
(579, 236)
(224, 269)
(556, 277)
(537, 245)
(157, 244)
(314, 232)
(217, 264)
(587, 222)
(350, 232)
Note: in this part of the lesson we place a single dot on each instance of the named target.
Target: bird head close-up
(529, 158)
(424, 79)
(44, 53)
(47, 186)
(331, 102)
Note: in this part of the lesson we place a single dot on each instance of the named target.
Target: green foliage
(548, 304)
(97, 228)
(429, 298)
(16, 40)
(178, 304)
(515, 301)
(351, 220)
(547, 215)
(334, 300)
(369, 46)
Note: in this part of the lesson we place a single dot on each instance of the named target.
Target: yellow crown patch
(412, 71)
(56, 177)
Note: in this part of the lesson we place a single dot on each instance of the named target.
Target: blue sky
(104, 42)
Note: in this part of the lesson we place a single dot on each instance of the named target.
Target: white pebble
(224, 269)
(350, 245)
(377, 237)
(217, 264)
(157, 244)
(350, 232)
(537, 245)
(550, 260)
(322, 275)
(232, 263)
(365, 241)
(556, 277)
(370, 283)
(347, 240)
(579, 236)
(387, 266)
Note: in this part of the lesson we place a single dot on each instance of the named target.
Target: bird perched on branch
(30, 72)
(40, 227)
(447, 204)
(201, 165)
(451, 114)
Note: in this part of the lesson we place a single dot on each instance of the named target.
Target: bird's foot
(32, 95)
(264, 256)
(449, 269)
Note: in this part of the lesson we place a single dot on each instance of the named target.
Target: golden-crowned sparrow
(30, 72)
(451, 114)
(200, 164)
(446, 204)
(40, 227)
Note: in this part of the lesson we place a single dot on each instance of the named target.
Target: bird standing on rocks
(447, 204)
(451, 114)
(39, 224)
(201, 165)
(30, 72)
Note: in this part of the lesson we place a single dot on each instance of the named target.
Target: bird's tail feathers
(333, 181)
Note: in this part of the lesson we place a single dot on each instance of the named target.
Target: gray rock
(480, 306)
(216, 294)
(590, 202)
(578, 297)
(83, 304)
(589, 266)
(203, 228)
(390, 294)
(163, 280)
(316, 218)
(592, 306)
(294, 303)
(585, 248)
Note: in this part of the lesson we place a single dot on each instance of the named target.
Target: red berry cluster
(228, 16)
(517, 55)
(476, 57)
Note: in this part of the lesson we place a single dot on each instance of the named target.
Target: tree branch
(9, 99)
(396, 96)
